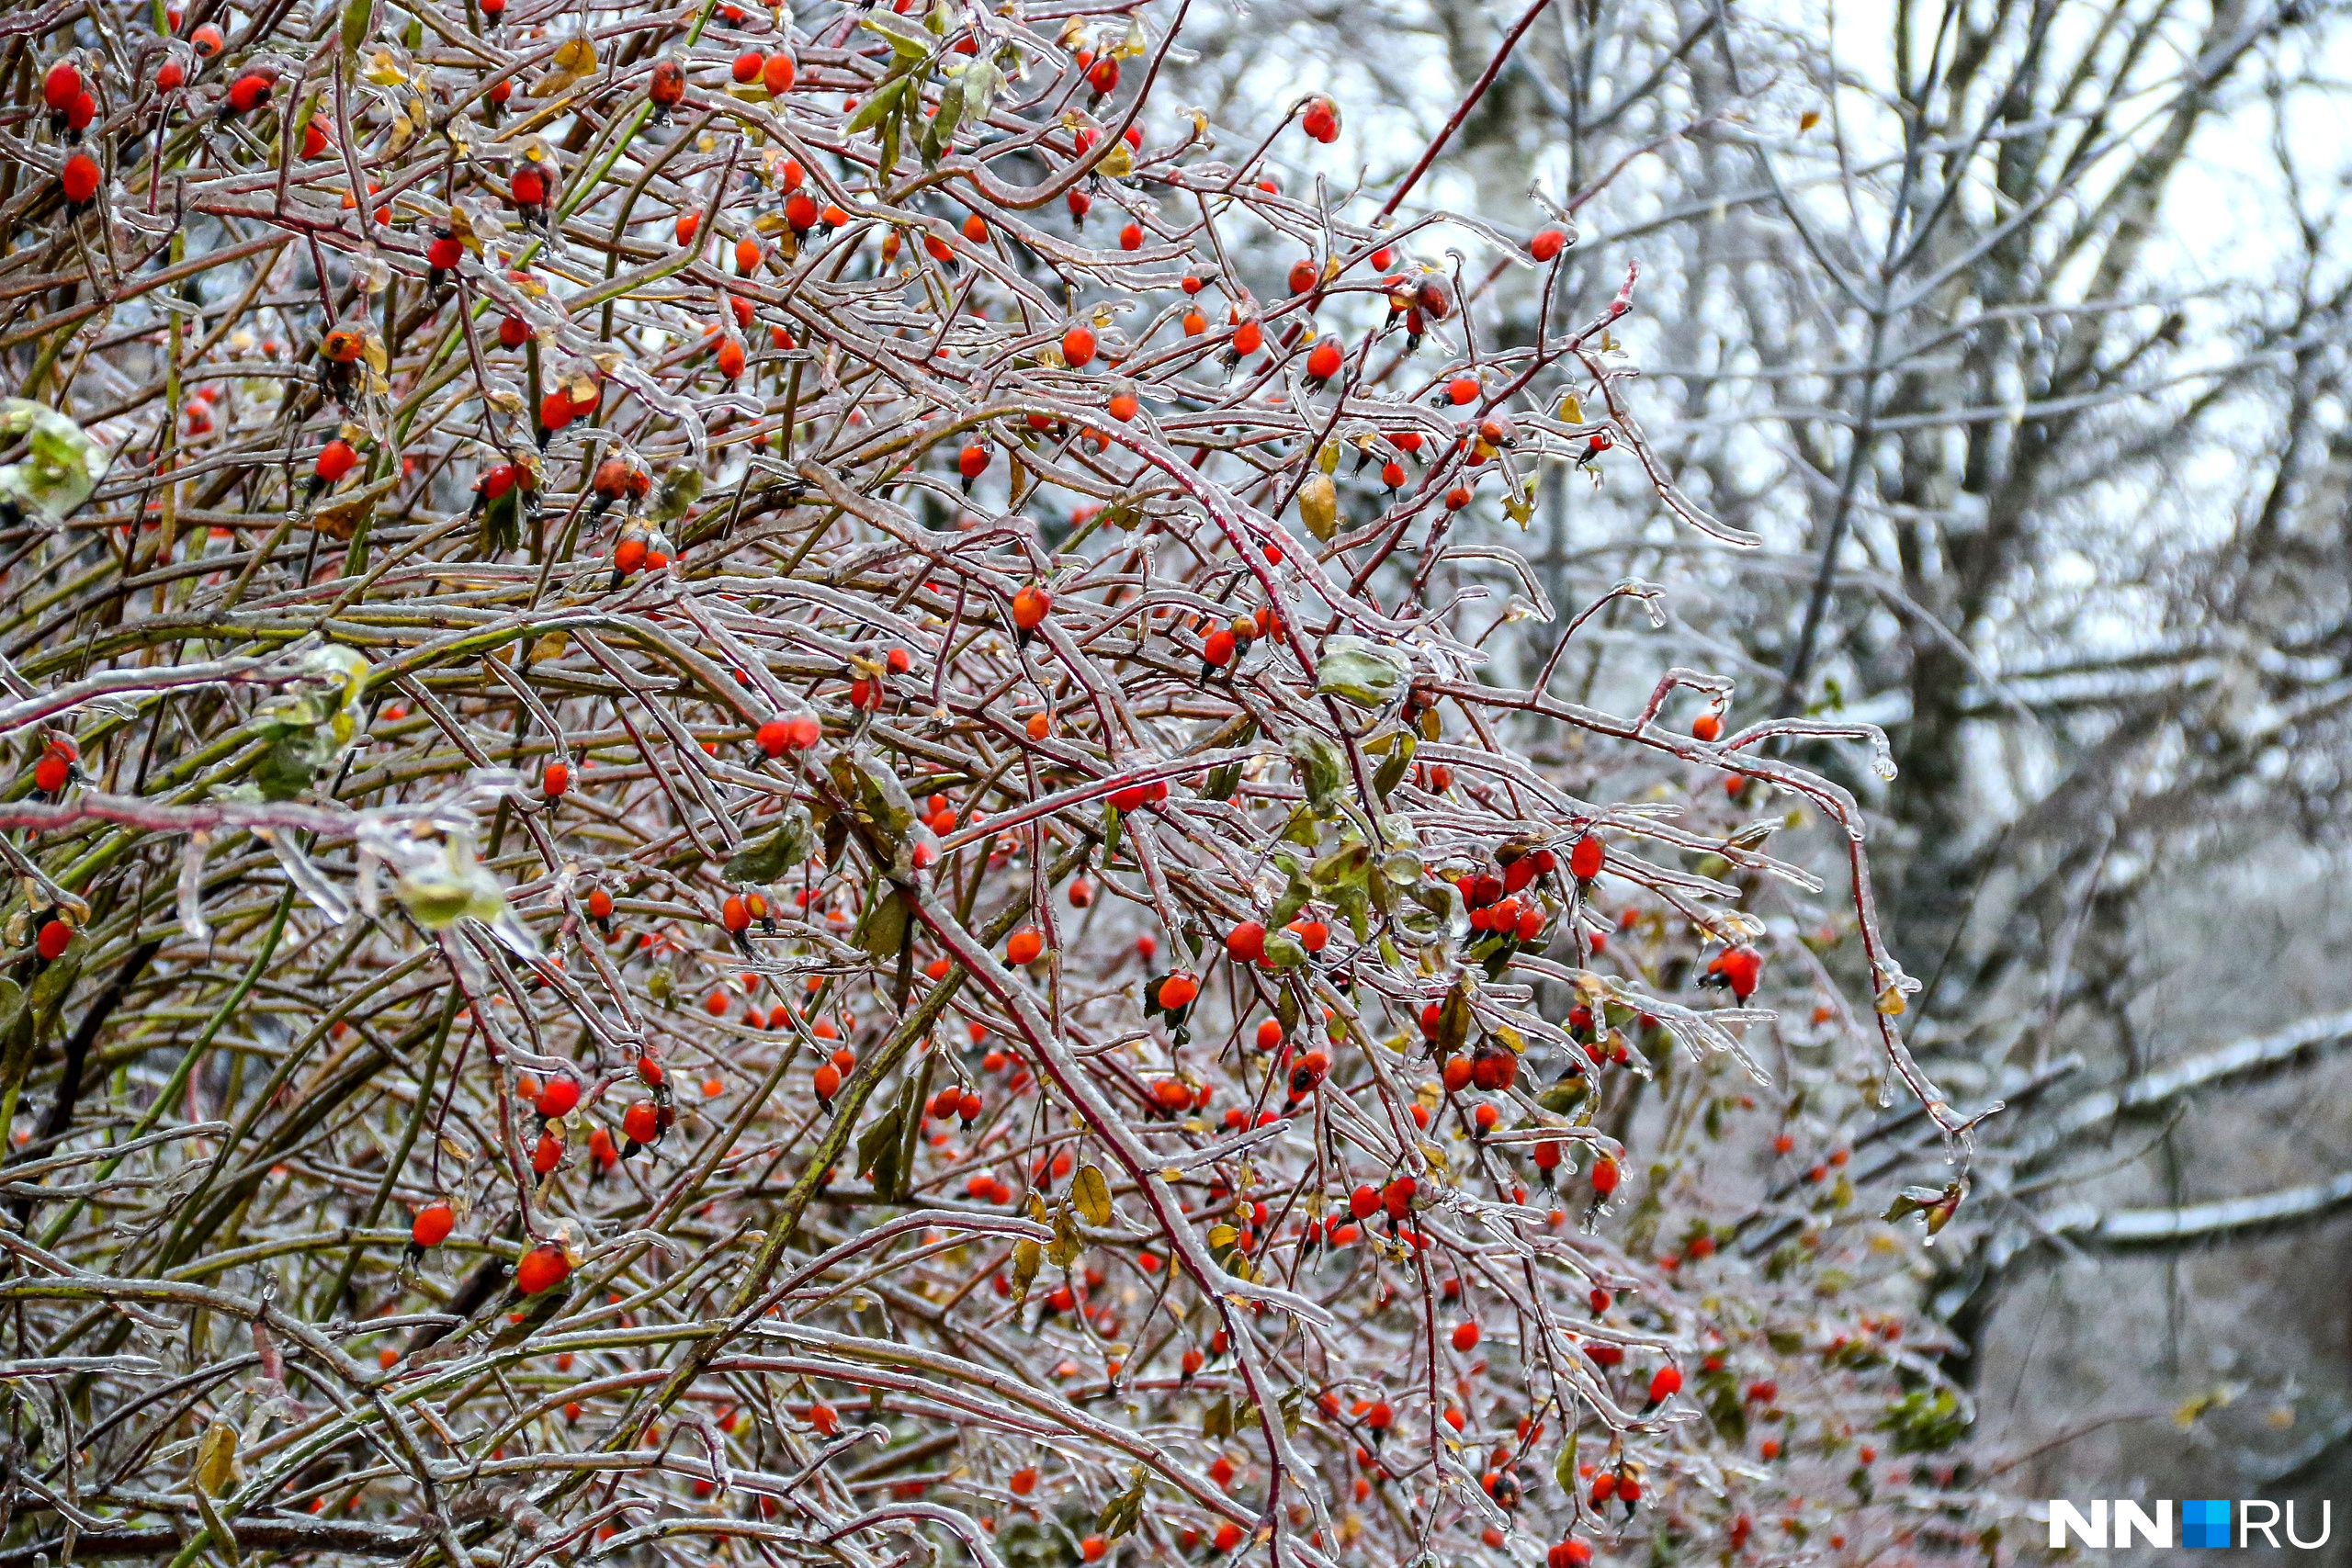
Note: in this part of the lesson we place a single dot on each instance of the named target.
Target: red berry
(55, 937)
(80, 179)
(562, 1093)
(60, 86)
(432, 1224)
(336, 460)
(667, 86)
(1586, 860)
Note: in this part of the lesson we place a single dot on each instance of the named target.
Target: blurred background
(2016, 331)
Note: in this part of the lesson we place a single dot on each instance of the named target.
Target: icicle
(306, 876)
(191, 891)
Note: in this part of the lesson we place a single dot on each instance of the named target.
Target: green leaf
(1435, 914)
(1360, 671)
(63, 466)
(1223, 781)
(1453, 1020)
(1347, 866)
(907, 39)
(882, 804)
(679, 487)
(1321, 769)
(788, 846)
(951, 111)
(1294, 896)
(1217, 1421)
(1122, 1514)
(1392, 771)
(1728, 1412)
(886, 98)
(1564, 1470)
(1926, 1420)
(1565, 1095)
(882, 933)
(358, 21)
(1284, 950)
(1355, 907)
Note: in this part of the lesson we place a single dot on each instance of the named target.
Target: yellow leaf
(2198, 1405)
(575, 60)
(1318, 505)
(341, 518)
(216, 1459)
(1092, 1193)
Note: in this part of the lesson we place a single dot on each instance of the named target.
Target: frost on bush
(977, 945)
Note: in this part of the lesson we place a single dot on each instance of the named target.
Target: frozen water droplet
(191, 888)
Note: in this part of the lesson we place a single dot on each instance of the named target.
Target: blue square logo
(2205, 1522)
